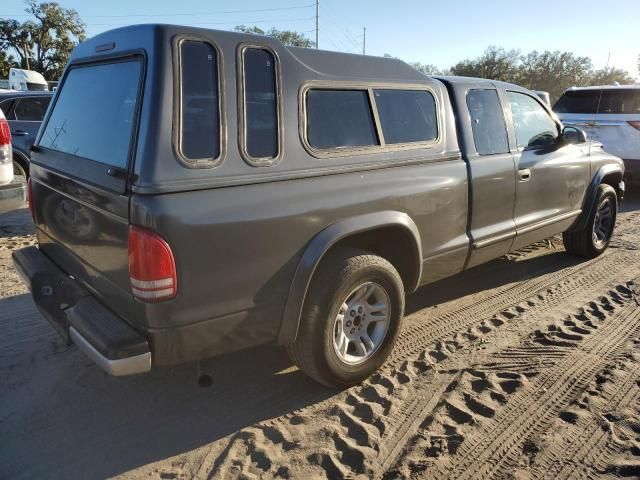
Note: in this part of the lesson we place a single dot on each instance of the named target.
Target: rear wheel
(350, 320)
(594, 238)
(19, 170)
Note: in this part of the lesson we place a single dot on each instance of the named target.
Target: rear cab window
(94, 117)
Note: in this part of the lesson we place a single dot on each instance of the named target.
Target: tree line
(553, 72)
(45, 42)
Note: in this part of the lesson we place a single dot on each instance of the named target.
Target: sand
(527, 367)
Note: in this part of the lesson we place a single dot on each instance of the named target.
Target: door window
(533, 125)
(487, 122)
(31, 109)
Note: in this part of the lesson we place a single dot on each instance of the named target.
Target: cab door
(551, 175)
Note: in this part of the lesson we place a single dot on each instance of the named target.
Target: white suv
(616, 124)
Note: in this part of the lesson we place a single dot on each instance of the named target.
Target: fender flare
(21, 157)
(321, 243)
(590, 197)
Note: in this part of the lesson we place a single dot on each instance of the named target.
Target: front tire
(350, 320)
(594, 238)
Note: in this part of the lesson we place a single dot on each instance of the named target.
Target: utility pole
(317, 13)
(364, 40)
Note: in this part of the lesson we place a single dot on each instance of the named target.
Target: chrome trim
(117, 368)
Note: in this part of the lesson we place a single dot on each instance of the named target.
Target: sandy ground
(528, 367)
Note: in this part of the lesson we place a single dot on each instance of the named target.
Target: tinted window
(31, 109)
(261, 111)
(407, 115)
(612, 101)
(487, 122)
(340, 118)
(94, 112)
(200, 105)
(5, 106)
(534, 127)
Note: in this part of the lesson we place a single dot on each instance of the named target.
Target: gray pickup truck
(197, 192)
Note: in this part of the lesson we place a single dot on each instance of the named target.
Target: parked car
(609, 114)
(12, 188)
(223, 191)
(24, 111)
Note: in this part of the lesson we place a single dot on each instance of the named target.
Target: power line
(236, 22)
(222, 12)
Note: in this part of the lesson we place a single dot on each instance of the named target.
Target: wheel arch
(20, 157)
(611, 174)
(361, 232)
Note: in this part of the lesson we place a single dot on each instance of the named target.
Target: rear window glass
(31, 109)
(200, 120)
(340, 119)
(407, 115)
(487, 122)
(93, 116)
(586, 101)
(261, 110)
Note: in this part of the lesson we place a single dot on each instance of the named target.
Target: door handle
(524, 175)
(19, 133)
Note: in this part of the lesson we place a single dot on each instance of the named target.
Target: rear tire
(350, 320)
(594, 238)
(20, 170)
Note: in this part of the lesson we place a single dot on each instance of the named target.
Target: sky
(440, 33)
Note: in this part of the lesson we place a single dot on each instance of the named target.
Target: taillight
(30, 200)
(635, 124)
(6, 153)
(152, 268)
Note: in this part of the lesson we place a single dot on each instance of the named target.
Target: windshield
(586, 101)
(93, 115)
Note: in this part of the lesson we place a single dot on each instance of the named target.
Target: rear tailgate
(80, 171)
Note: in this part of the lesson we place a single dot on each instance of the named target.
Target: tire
(20, 170)
(344, 275)
(594, 238)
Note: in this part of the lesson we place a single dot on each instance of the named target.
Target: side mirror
(574, 135)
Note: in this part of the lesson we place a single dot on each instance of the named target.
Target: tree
(608, 75)
(495, 63)
(6, 62)
(553, 72)
(428, 69)
(43, 44)
(288, 38)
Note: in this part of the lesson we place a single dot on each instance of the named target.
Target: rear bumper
(13, 195)
(80, 318)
